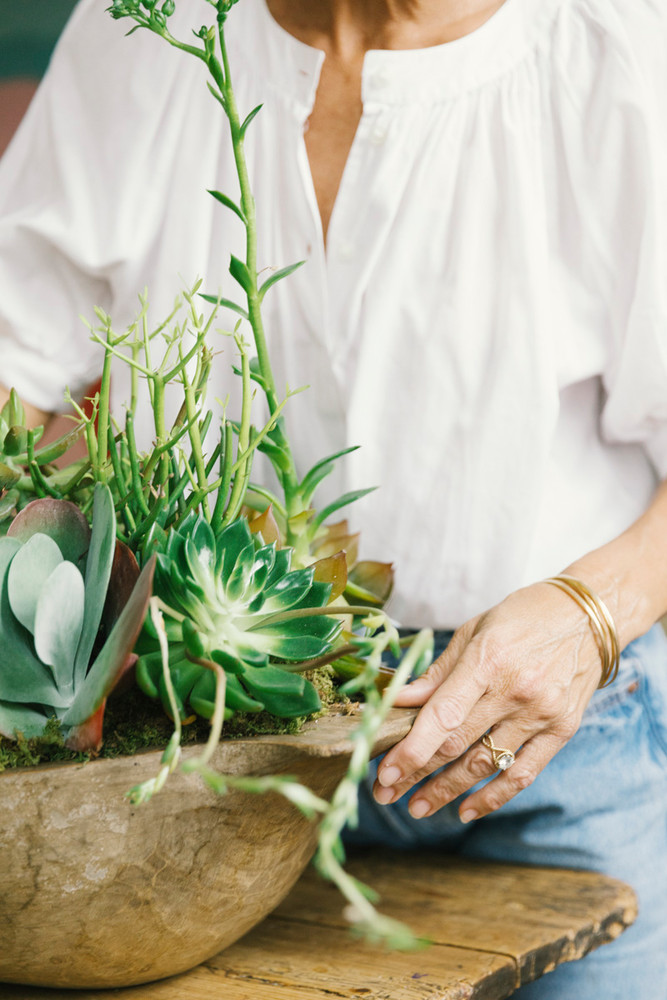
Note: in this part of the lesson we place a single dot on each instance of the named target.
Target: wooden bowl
(95, 892)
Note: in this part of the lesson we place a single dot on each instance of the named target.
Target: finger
(478, 765)
(444, 713)
(453, 746)
(474, 766)
(530, 761)
(418, 692)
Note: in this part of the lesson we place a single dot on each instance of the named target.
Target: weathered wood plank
(494, 927)
(538, 916)
(284, 960)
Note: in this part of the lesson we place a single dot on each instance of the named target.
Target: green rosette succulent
(234, 601)
(66, 634)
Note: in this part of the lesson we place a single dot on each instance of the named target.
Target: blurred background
(29, 30)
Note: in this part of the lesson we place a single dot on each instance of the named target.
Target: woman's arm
(526, 669)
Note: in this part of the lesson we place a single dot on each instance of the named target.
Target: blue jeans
(600, 804)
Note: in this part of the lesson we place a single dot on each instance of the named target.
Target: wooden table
(493, 927)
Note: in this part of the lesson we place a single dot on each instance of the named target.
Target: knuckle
(447, 714)
(414, 758)
(527, 688)
(493, 801)
(521, 777)
(454, 746)
(492, 654)
(567, 726)
(547, 705)
(479, 763)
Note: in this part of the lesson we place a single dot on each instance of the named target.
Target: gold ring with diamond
(502, 758)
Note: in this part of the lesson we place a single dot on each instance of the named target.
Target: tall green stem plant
(301, 524)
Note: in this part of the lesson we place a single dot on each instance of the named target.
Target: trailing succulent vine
(247, 589)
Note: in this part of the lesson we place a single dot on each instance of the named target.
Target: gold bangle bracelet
(594, 620)
(601, 622)
(603, 610)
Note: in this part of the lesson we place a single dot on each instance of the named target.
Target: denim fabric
(600, 804)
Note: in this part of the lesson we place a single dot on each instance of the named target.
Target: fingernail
(419, 808)
(468, 816)
(389, 776)
(384, 796)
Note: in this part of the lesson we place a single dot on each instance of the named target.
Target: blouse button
(378, 135)
(345, 251)
(379, 79)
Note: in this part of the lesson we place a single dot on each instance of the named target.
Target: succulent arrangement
(63, 588)
(170, 565)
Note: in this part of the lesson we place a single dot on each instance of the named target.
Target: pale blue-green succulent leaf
(44, 612)
(15, 718)
(112, 660)
(98, 572)
(29, 570)
(59, 621)
(20, 670)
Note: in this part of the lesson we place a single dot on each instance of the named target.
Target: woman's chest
(330, 131)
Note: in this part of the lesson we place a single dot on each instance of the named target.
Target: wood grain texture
(494, 927)
(538, 916)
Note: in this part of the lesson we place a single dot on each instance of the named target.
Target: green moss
(325, 681)
(133, 722)
(47, 747)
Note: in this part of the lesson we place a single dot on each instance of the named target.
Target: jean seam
(654, 725)
(618, 693)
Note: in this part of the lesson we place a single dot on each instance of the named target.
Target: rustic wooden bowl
(95, 892)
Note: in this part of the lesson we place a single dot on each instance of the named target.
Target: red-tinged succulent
(71, 607)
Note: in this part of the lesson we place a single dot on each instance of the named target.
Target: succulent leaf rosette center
(235, 601)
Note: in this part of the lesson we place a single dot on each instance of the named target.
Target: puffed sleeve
(632, 163)
(80, 192)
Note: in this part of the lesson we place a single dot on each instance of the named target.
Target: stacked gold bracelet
(601, 622)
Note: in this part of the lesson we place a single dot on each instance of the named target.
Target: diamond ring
(502, 759)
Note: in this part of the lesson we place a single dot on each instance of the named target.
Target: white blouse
(489, 319)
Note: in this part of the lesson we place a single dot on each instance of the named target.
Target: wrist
(629, 575)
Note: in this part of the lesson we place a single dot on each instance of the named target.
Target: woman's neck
(346, 27)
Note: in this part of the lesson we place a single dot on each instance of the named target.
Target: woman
(478, 190)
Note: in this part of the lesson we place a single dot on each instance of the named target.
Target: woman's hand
(525, 670)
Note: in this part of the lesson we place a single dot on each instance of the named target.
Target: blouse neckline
(405, 76)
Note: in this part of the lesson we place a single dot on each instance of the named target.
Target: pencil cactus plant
(55, 583)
